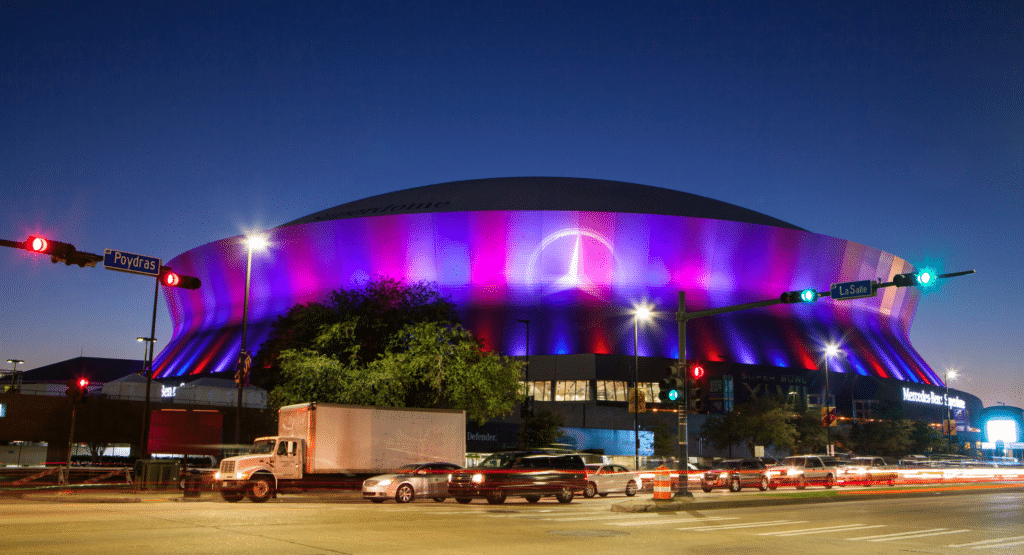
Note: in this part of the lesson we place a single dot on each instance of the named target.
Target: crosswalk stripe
(672, 521)
(605, 516)
(843, 528)
(895, 534)
(983, 542)
(999, 545)
(738, 526)
(909, 535)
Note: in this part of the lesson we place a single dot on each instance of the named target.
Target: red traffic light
(696, 371)
(83, 383)
(36, 244)
(171, 279)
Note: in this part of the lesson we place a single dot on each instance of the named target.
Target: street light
(642, 313)
(526, 376)
(950, 375)
(14, 372)
(252, 242)
(831, 350)
(147, 357)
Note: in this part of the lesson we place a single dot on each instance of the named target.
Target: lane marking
(843, 528)
(672, 521)
(983, 542)
(738, 526)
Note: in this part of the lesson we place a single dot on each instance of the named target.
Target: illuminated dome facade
(574, 257)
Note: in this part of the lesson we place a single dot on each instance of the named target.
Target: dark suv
(531, 474)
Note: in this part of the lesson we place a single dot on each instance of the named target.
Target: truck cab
(258, 474)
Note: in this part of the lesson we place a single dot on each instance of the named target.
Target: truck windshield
(263, 447)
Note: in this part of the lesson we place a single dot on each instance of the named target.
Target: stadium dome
(574, 257)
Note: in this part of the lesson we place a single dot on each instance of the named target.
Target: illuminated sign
(931, 398)
(168, 391)
(1001, 430)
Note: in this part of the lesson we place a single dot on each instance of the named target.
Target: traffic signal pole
(682, 316)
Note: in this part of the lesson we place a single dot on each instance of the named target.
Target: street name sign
(133, 263)
(853, 290)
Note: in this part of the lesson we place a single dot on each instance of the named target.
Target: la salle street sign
(853, 290)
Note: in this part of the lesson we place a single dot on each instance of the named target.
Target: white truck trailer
(320, 445)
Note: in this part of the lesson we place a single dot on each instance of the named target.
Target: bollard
(662, 484)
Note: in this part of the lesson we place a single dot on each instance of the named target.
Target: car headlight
(216, 475)
(478, 478)
(385, 482)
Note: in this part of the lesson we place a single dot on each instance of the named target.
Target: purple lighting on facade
(575, 275)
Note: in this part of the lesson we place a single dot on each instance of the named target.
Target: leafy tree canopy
(390, 345)
(382, 307)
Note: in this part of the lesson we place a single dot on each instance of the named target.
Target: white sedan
(603, 479)
(405, 484)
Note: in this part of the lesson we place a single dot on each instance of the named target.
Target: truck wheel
(260, 489)
(734, 484)
(496, 497)
(532, 498)
(707, 489)
(405, 494)
(631, 489)
(463, 500)
(591, 490)
(801, 482)
(564, 495)
(763, 486)
(232, 495)
(830, 481)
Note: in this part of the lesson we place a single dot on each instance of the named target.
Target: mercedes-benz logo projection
(573, 257)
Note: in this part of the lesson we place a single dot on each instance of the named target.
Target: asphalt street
(961, 520)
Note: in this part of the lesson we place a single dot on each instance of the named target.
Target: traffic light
(670, 389)
(805, 296)
(695, 397)
(171, 279)
(923, 278)
(77, 388)
(59, 252)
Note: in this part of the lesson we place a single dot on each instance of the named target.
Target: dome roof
(543, 193)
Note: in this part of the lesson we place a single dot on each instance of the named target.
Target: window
(611, 391)
(541, 391)
(572, 390)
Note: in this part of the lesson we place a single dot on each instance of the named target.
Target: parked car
(603, 479)
(867, 471)
(801, 470)
(421, 479)
(531, 474)
(736, 474)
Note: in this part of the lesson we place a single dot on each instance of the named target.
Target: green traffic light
(673, 395)
(808, 295)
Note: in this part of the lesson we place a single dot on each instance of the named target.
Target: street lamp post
(526, 376)
(14, 362)
(147, 370)
(950, 375)
(830, 351)
(253, 242)
(642, 313)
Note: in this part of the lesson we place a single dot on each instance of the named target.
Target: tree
(424, 365)
(763, 421)
(665, 442)
(540, 430)
(382, 307)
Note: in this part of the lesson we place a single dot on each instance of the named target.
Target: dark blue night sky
(156, 127)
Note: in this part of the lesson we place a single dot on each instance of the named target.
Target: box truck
(320, 445)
